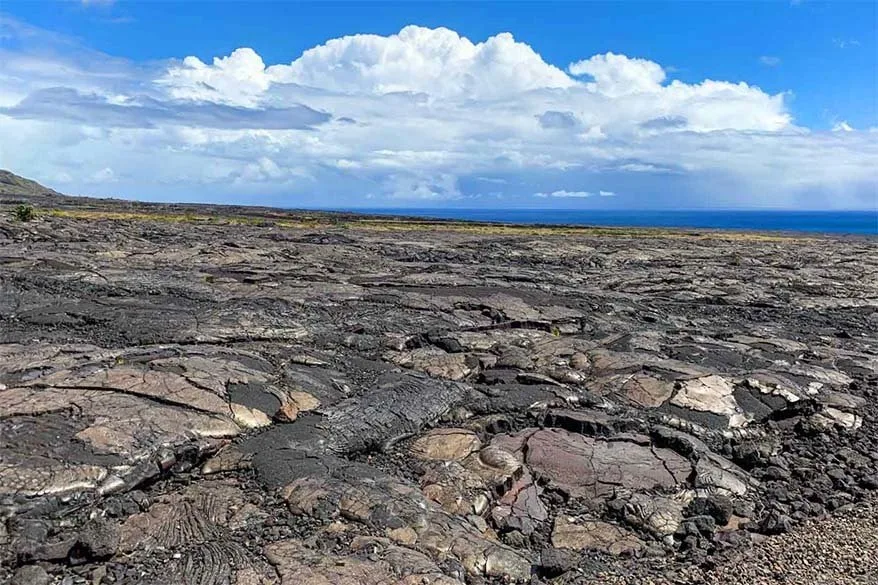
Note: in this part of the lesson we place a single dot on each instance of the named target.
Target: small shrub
(24, 212)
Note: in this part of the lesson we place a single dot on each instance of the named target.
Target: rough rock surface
(594, 535)
(215, 395)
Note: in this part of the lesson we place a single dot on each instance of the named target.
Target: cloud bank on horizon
(423, 117)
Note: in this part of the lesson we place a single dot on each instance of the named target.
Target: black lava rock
(696, 525)
(752, 454)
(554, 562)
(97, 540)
(776, 473)
(717, 507)
(776, 523)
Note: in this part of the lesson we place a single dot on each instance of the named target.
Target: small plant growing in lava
(24, 212)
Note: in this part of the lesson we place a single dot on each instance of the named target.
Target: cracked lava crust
(295, 401)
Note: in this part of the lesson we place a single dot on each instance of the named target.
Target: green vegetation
(23, 212)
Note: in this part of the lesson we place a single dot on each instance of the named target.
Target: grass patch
(99, 214)
(187, 217)
(590, 231)
(416, 225)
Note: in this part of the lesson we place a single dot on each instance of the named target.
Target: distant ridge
(16, 189)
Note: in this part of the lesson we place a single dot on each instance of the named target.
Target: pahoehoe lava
(220, 395)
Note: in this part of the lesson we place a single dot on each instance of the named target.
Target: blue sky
(622, 104)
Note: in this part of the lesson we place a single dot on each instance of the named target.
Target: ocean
(826, 222)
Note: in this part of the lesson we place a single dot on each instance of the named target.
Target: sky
(619, 105)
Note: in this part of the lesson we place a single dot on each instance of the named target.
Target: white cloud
(638, 167)
(447, 70)
(441, 187)
(617, 75)
(423, 115)
(842, 126)
(104, 175)
(845, 43)
(238, 79)
(437, 62)
(769, 60)
(565, 194)
(265, 169)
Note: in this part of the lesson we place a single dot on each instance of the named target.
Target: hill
(16, 189)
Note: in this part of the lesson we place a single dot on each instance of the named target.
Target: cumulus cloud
(419, 116)
(239, 79)
(617, 75)
(437, 62)
(437, 67)
(842, 126)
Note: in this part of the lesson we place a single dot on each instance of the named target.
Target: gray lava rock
(753, 454)
(776, 473)
(556, 561)
(515, 538)
(32, 543)
(776, 523)
(98, 540)
(30, 575)
(133, 349)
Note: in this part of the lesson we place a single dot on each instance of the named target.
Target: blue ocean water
(828, 222)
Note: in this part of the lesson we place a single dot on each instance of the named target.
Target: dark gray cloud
(551, 119)
(665, 123)
(60, 103)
